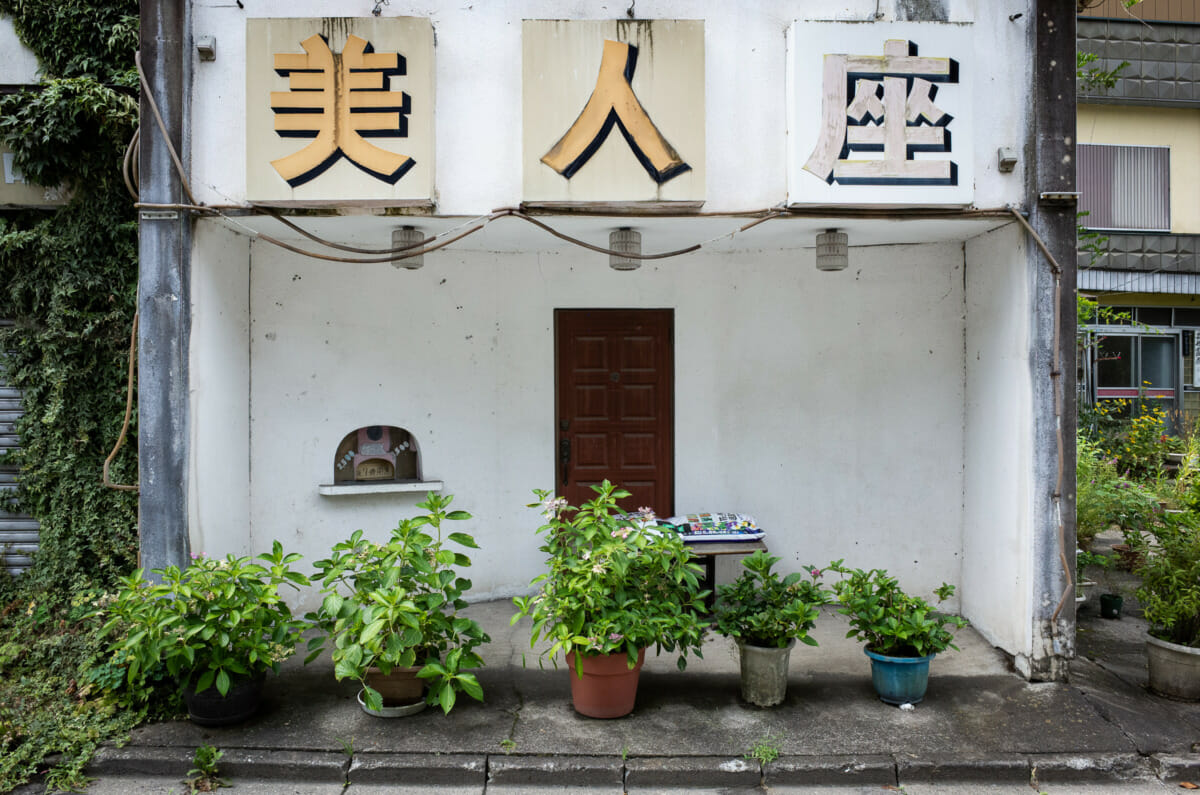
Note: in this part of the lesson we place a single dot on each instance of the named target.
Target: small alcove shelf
(348, 489)
(377, 459)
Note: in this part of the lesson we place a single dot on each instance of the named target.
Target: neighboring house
(1139, 178)
(887, 397)
(18, 532)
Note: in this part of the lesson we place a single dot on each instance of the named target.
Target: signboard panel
(340, 110)
(613, 111)
(880, 114)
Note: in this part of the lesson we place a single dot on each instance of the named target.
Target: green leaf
(372, 698)
(223, 682)
(470, 686)
(446, 698)
(464, 540)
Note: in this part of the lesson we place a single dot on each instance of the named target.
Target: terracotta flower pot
(608, 687)
(1127, 559)
(403, 693)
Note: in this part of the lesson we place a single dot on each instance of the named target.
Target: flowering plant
(213, 621)
(761, 609)
(395, 605)
(613, 583)
(889, 621)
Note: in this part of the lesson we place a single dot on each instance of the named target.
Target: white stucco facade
(880, 414)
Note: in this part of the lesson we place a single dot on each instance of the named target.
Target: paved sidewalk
(981, 728)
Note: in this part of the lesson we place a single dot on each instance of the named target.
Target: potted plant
(217, 626)
(614, 587)
(766, 615)
(1085, 559)
(1170, 599)
(901, 633)
(391, 612)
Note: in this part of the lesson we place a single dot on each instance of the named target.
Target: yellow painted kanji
(613, 102)
(339, 99)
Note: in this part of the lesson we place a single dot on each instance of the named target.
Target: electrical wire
(128, 413)
(162, 127)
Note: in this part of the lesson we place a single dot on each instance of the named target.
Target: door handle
(564, 457)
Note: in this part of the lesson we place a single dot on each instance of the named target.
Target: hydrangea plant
(761, 609)
(396, 605)
(889, 621)
(210, 623)
(613, 583)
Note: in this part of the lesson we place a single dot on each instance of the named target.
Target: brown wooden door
(615, 375)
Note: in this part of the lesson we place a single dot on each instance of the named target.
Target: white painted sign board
(880, 114)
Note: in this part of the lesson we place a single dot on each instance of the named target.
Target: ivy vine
(69, 280)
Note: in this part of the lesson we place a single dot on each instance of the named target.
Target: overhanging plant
(889, 621)
(208, 624)
(761, 609)
(612, 584)
(395, 605)
(1170, 574)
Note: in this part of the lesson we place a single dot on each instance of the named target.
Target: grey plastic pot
(764, 673)
(1174, 669)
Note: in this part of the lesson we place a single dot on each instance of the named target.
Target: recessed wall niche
(377, 454)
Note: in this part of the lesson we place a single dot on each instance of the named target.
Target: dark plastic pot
(210, 708)
(1110, 605)
(899, 680)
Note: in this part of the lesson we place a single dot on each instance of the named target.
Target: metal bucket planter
(899, 680)
(1174, 669)
(210, 708)
(764, 673)
(608, 687)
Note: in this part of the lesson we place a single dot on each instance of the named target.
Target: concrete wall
(880, 414)
(998, 484)
(478, 86)
(1178, 128)
(828, 405)
(18, 64)
(219, 447)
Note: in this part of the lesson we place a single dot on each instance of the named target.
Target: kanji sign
(337, 100)
(613, 102)
(340, 110)
(585, 79)
(879, 117)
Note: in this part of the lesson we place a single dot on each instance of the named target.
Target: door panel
(614, 404)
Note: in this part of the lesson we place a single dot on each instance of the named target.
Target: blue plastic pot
(899, 680)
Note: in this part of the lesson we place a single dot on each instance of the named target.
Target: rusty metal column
(1052, 214)
(163, 303)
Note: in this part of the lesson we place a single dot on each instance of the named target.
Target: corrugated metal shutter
(18, 532)
(1125, 187)
(1138, 282)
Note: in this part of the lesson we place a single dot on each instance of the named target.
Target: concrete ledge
(1173, 768)
(447, 770)
(1084, 768)
(312, 766)
(949, 769)
(141, 761)
(692, 772)
(554, 771)
(824, 771)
